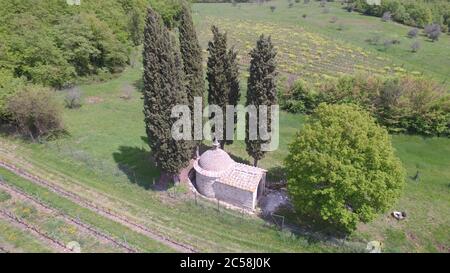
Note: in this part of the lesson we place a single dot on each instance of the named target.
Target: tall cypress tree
(261, 88)
(163, 89)
(232, 71)
(191, 53)
(222, 75)
(218, 85)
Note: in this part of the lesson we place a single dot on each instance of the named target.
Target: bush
(402, 104)
(301, 99)
(413, 33)
(73, 98)
(35, 112)
(9, 85)
(413, 13)
(342, 168)
(415, 46)
(387, 16)
(433, 31)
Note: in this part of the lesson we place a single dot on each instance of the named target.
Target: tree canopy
(163, 89)
(342, 168)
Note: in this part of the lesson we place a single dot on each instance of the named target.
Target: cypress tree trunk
(163, 89)
(261, 89)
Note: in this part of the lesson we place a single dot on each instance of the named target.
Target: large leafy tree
(261, 89)
(342, 168)
(163, 89)
(191, 53)
(223, 76)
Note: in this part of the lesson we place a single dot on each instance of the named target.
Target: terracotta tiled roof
(243, 177)
(216, 163)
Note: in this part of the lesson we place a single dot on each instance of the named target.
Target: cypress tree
(234, 94)
(218, 85)
(163, 89)
(191, 53)
(223, 75)
(261, 88)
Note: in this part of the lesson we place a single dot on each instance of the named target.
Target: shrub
(9, 85)
(415, 46)
(387, 16)
(35, 112)
(73, 98)
(413, 33)
(402, 104)
(342, 168)
(301, 99)
(433, 31)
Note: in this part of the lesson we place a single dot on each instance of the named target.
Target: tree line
(417, 13)
(404, 104)
(173, 75)
(50, 43)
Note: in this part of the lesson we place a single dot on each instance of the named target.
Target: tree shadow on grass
(313, 229)
(138, 165)
(139, 85)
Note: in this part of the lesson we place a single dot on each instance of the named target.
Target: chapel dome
(215, 160)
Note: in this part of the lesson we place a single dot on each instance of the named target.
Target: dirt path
(79, 224)
(19, 223)
(98, 209)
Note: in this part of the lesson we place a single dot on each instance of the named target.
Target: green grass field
(314, 48)
(106, 150)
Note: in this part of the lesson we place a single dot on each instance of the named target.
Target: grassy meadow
(105, 153)
(327, 42)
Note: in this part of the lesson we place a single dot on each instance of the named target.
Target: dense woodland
(53, 44)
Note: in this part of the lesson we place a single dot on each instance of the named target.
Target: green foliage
(35, 112)
(163, 89)
(51, 43)
(342, 168)
(9, 85)
(301, 99)
(413, 13)
(191, 54)
(90, 45)
(169, 10)
(223, 76)
(4, 196)
(402, 104)
(233, 76)
(261, 89)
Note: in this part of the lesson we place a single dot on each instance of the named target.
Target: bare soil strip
(16, 221)
(3, 250)
(98, 209)
(79, 224)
